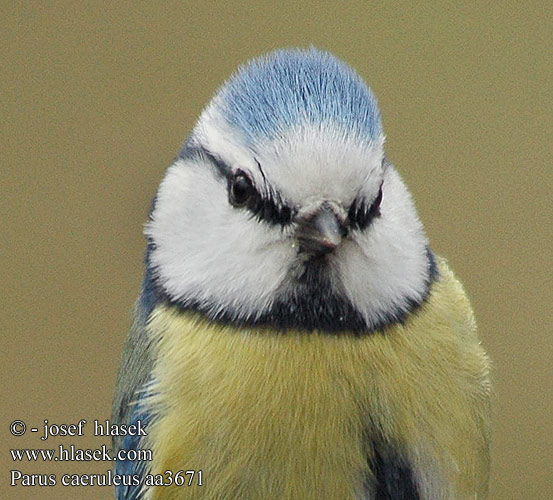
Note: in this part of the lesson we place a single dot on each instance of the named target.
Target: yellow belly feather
(289, 416)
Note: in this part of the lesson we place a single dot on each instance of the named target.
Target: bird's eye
(241, 189)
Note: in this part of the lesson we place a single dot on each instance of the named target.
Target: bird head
(281, 209)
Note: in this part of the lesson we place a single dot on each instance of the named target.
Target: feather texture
(289, 416)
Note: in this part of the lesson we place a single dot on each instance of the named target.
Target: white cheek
(211, 252)
(386, 264)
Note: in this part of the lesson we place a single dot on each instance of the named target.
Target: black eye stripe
(360, 215)
(268, 207)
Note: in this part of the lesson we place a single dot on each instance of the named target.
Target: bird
(295, 336)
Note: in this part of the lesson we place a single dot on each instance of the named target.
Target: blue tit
(295, 337)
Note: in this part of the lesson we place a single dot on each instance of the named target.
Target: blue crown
(270, 94)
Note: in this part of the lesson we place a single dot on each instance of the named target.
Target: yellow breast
(268, 415)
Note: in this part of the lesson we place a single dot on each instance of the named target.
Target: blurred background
(96, 99)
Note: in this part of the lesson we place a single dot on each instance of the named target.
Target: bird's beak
(320, 232)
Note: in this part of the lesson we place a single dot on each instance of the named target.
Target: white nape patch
(210, 252)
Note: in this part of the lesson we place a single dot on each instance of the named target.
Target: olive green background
(96, 99)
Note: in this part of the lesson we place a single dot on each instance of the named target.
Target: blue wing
(134, 375)
(130, 488)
